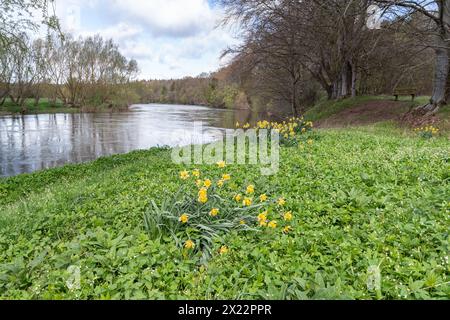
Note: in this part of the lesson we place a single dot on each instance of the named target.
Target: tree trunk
(294, 100)
(13, 100)
(441, 72)
(344, 81)
(36, 100)
(329, 90)
(354, 78)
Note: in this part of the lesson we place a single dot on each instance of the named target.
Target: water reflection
(34, 142)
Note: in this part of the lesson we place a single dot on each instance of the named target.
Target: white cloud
(178, 18)
(121, 31)
(168, 38)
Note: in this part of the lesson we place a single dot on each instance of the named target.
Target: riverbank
(369, 110)
(372, 198)
(46, 106)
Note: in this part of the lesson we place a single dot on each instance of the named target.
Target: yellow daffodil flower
(184, 175)
(214, 212)
(221, 164)
(272, 224)
(196, 173)
(287, 229)
(263, 198)
(184, 218)
(203, 195)
(247, 202)
(288, 216)
(250, 189)
(207, 183)
(262, 219)
(223, 250)
(189, 244)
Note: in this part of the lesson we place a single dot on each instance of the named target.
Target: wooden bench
(405, 92)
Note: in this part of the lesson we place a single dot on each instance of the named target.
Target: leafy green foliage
(359, 197)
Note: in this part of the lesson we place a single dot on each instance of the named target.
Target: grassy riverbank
(46, 106)
(361, 198)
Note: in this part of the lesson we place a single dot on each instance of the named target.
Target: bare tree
(435, 33)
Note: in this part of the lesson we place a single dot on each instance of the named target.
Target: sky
(169, 38)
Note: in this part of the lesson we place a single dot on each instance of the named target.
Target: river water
(33, 142)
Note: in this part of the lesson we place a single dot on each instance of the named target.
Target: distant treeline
(204, 90)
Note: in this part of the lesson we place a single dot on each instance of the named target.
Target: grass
(325, 108)
(363, 199)
(44, 106)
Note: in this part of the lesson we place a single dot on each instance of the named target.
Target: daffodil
(238, 198)
(184, 218)
(184, 175)
(223, 250)
(221, 164)
(203, 195)
(247, 202)
(262, 219)
(250, 189)
(226, 177)
(288, 216)
(262, 216)
(263, 198)
(207, 183)
(196, 173)
(214, 212)
(272, 224)
(287, 229)
(281, 202)
(189, 244)
(220, 183)
(203, 199)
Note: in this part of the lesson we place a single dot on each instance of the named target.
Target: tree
(15, 18)
(435, 33)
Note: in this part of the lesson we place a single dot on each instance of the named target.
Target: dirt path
(367, 113)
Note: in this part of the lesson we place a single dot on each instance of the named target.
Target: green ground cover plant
(362, 200)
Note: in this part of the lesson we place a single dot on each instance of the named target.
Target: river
(34, 142)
